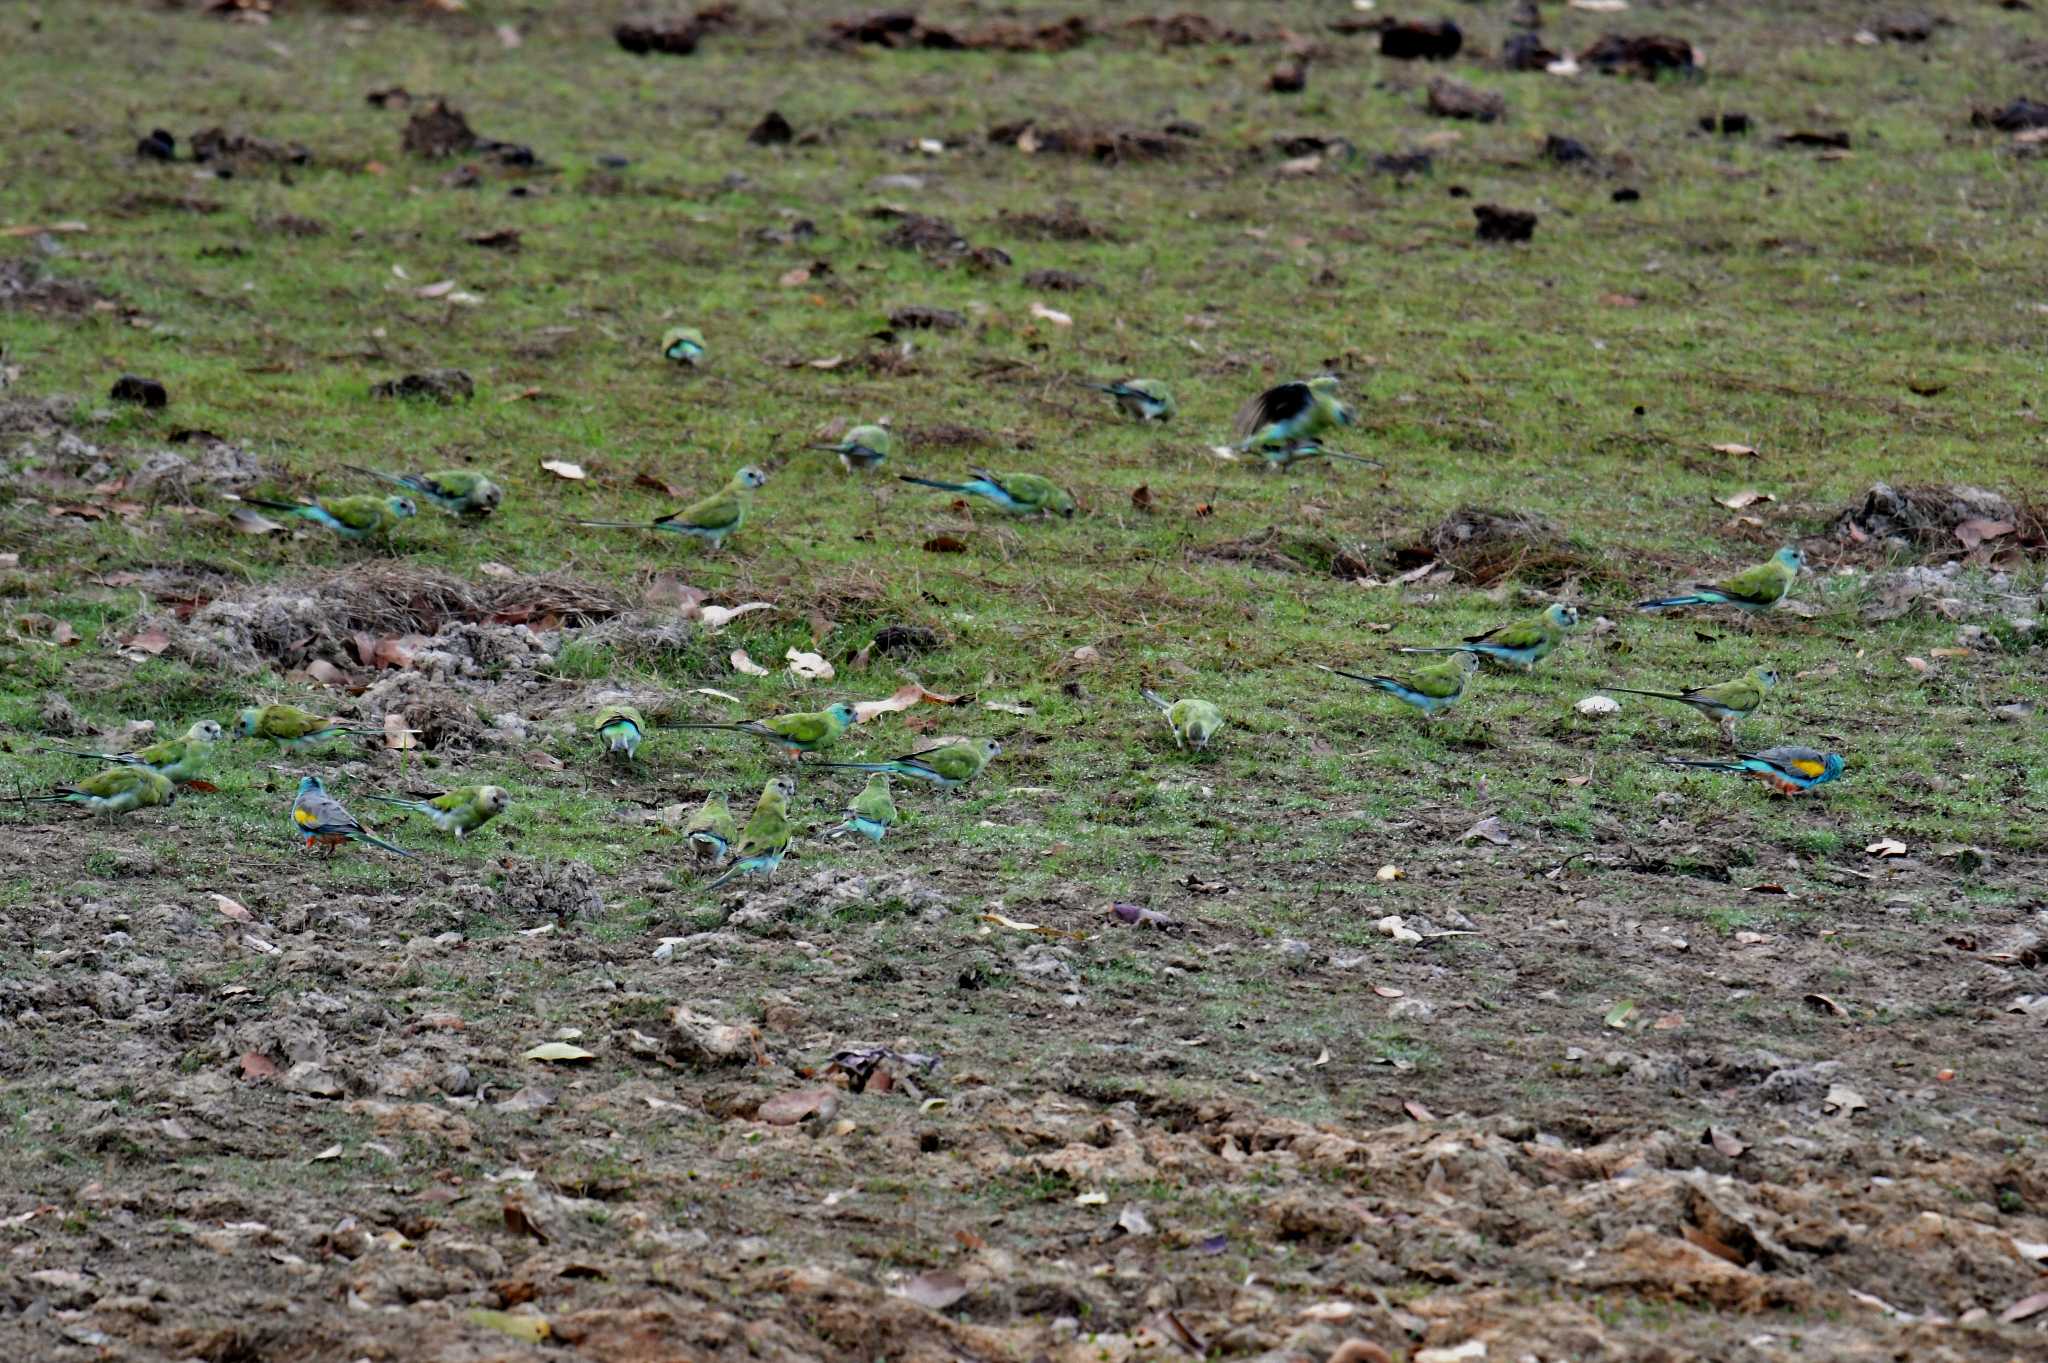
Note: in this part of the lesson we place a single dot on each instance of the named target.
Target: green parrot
(710, 520)
(710, 830)
(293, 729)
(117, 790)
(360, 517)
(460, 811)
(684, 345)
(621, 728)
(1020, 494)
(1521, 645)
(767, 835)
(1725, 702)
(1141, 399)
(179, 760)
(796, 734)
(861, 449)
(1290, 413)
(949, 766)
(872, 812)
(1753, 590)
(1194, 722)
(320, 821)
(1432, 690)
(459, 492)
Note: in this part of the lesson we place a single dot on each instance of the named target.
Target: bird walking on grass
(711, 832)
(861, 449)
(460, 811)
(1193, 722)
(948, 766)
(1726, 703)
(117, 790)
(709, 520)
(1141, 399)
(1290, 413)
(293, 729)
(621, 728)
(319, 821)
(796, 734)
(1521, 645)
(1020, 494)
(871, 813)
(459, 492)
(1753, 590)
(363, 516)
(1784, 771)
(766, 838)
(179, 760)
(683, 345)
(1432, 690)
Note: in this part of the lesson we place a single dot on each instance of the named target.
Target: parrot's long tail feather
(1436, 650)
(1149, 694)
(1632, 691)
(1689, 599)
(932, 482)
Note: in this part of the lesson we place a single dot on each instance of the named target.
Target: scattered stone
(1648, 55)
(1924, 516)
(1290, 79)
(1503, 224)
(669, 38)
(926, 235)
(917, 317)
(1565, 151)
(2018, 116)
(1098, 144)
(773, 130)
(1454, 99)
(1057, 281)
(562, 890)
(58, 718)
(699, 1039)
(1402, 164)
(1436, 40)
(149, 392)
(1528, 52)
(441, 385)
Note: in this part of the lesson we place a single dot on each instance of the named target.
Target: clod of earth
(1434, 40)
(1503, 224)
(1454, 99)
(147, 392)
(440, 385)
(1647, 55)
(669, 38)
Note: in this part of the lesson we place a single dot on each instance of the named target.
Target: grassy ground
(1852, 318)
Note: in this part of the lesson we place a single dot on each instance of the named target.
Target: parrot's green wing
(362, 513)
(1521, 634)
(1764, 582)
(809, 727)
(874, 803)
(1732, 695)
(720, 511)
(1438, 683)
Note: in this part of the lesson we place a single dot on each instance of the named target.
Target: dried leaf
(945, 544)
(397, 737)
(1141, 497)
(1007, 707)
(1137, 915)
(1737, 451)
(439, 289)
(716, 618)
(560, 1051)
(936, 1290)
(1418, 1111)
(1091, 1199)
(1133, 1221)
(562, 468)
(1724, 1141)
(1390, 872)
(809, 666)
(1489, 828)
(1886, 847)
(1387, 991)
(2024, 1308)
(714, 691)
(1821, 1003)
(332, 1152)
(1618, 1016)
(787, 1109)
(1668, 1022)
(1736, 501)
(795, 278)
(1976, 531)
(542, 761)
(152, 642)
(231, 908)
(327, 674)
(1012, 924)
(1052, 315)
(656, 484)
(827, 362)
(1917, 664)
(520, 1222)
(742, 663)
(497, 570)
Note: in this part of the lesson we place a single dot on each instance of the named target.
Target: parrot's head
(206, 731)
(247, 722)
(990, 748)
(1562, 616)
(401, 507)
(1766, 677)
(749, 477)
(485, 498)
(781, 786)
(1468, 663)
(1792, 556)
(842, 713)
(310, 785)
(493, 799)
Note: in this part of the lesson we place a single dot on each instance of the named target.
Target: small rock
(772, 130)
(158, 146)
(1290, 79)
(442, 385)
(1435, 40)
(148, 392)
(1454, 99)
(1565, 151)
(58, 718)
(1503, 224)
(2019, 712)
(1595, 706)
(309, 1078)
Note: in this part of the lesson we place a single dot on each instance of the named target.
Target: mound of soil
(26, 285)
(531, 889)
(1097, 143)
(1487, 546)
(1936, 519)
(1647, 55)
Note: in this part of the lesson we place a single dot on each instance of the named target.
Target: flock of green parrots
(1282, 426)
